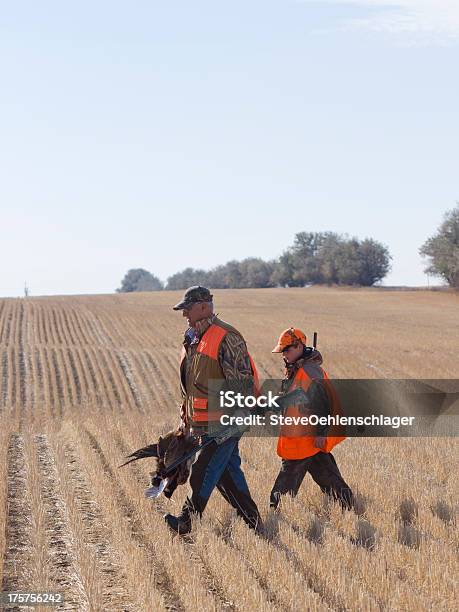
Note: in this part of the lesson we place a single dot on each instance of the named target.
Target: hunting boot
(181, 524)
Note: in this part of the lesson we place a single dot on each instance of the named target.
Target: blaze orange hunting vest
(297, 441)
(204, 366)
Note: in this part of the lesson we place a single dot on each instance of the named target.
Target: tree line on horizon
(315, 258)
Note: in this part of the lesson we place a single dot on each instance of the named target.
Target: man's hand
(319, 442)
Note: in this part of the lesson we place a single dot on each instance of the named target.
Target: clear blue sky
(186, 133)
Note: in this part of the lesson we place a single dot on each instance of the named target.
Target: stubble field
(85, 380)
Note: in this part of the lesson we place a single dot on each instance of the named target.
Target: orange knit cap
(290, 336)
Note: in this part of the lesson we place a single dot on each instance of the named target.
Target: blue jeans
(219, 465)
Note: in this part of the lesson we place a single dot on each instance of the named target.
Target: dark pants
(220, 466)
(324, 471)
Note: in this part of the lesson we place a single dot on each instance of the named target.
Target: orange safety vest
(205, 366)
(298, 441)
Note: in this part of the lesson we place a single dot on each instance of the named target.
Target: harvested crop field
(85, 380)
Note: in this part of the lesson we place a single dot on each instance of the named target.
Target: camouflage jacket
(233, 356)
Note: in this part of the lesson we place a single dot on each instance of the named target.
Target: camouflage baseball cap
(193, 295)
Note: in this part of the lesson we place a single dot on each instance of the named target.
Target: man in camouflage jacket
(216, 465)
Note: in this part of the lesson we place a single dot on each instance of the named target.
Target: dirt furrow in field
(211, 581)
(103, 380)
(339, 596)
(119, 331)
(74, 374)
(24, 314)
(284, 586)
(33, 412)
(4, 321)
(56, 321)
(104, 519)
(7, 323)
(2, 311)
(68, 377)
(37, 331)
(339, 545)
(114, 591)
(64, 328)
(67, 328)
(112, 371)
(59, 553)
(64, 388)
(12, 332)
(98, 333)
(18, 550)
(125, 364)
(4, 377)
(12, 376)
(158, 381)
(50, 328)
(131, 331)
(47, 382)
(155, 391)
(22, 367)
(163, 579)
(87, 390)
(56, 327)
(17, 338)
(81, 330)
(103, 330)
(26, 390)
(39, 382)
(4, 448)
(94, 381)
(48, 337)
(30, 324)
(145, 383)
(119, 379)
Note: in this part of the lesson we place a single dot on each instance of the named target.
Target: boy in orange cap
(306, 448)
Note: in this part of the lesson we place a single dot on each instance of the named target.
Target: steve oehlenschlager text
(361, 407)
